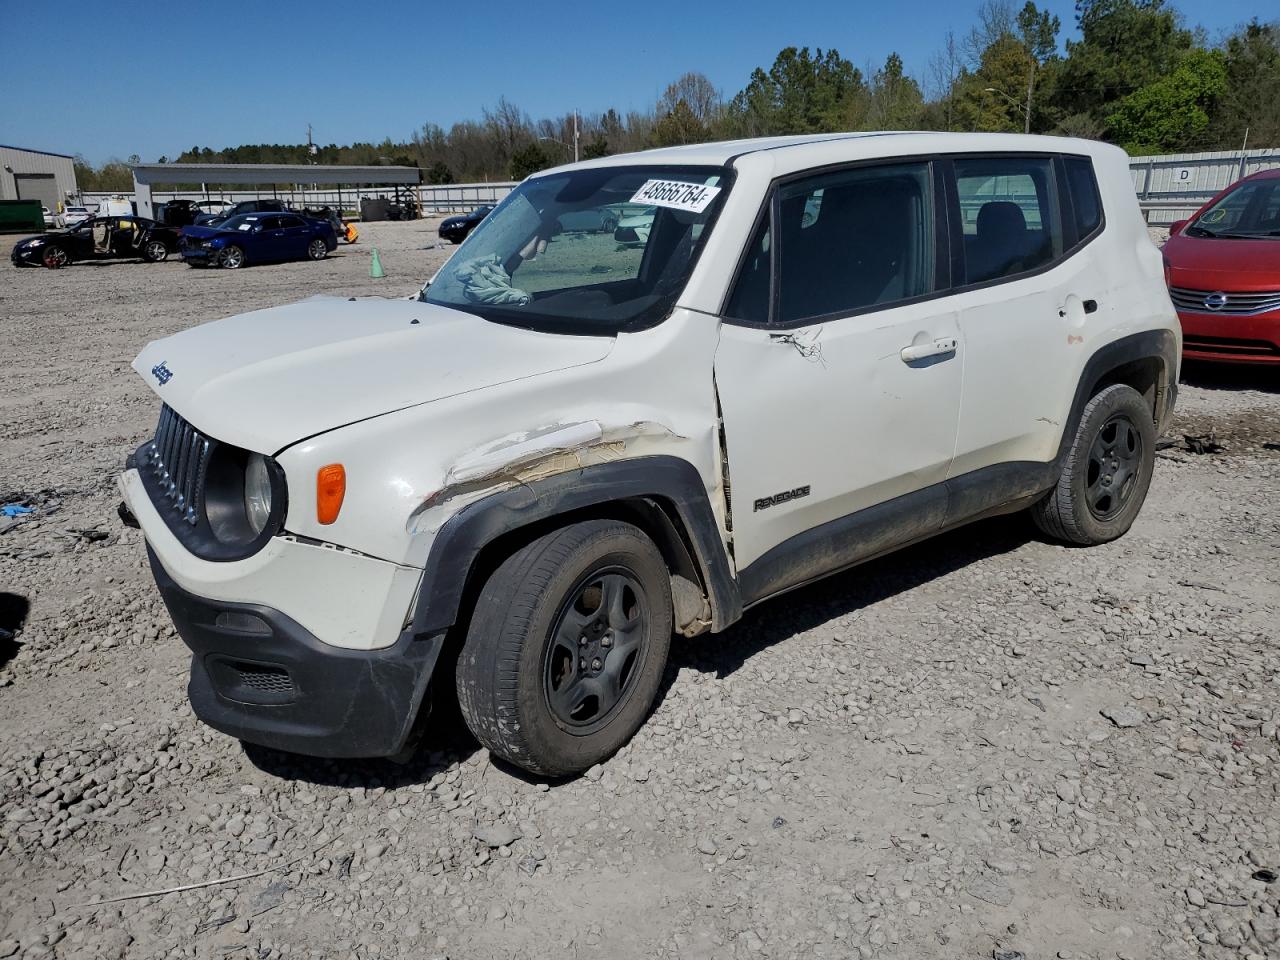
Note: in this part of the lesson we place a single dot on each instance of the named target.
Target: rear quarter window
(1086, 205)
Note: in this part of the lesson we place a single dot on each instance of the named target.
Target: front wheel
(232, 258)
(566, 647)
(317, 250)
(1108, 471)
(55, 257)
(155, 251)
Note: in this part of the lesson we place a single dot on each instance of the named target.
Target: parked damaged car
(1223, 268)
(99, 238)
(252, 238)
(524, 485)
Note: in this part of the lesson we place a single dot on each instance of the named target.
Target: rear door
(296, 235)
(1024, 265)
(838, 368)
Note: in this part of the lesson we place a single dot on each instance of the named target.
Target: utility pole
(311, 147)
(1031, 84)
(575, 134)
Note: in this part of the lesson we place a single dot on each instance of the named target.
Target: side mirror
(1176, 227)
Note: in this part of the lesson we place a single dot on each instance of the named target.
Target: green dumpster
(21, 216)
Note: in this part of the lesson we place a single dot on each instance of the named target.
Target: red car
(1223, 270)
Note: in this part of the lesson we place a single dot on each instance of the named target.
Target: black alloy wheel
(602, 631)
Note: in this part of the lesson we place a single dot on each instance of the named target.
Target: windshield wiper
(1201, 231)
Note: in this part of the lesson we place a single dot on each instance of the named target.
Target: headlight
(38, 241)
(257, 493)
(207, 245)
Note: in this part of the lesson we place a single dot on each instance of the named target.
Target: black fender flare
(663, 478)
(1159, 344)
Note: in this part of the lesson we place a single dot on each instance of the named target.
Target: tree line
(1138, 76)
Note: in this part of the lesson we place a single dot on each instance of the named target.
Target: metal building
(36, 175)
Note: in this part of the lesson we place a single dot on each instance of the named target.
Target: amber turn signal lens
(331, 487)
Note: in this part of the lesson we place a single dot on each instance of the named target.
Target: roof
(872, 143)
(155, 173)
(47, 153)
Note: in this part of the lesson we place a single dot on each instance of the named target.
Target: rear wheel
(1108, 471)
(55, 257)
(231, 257)
(566, 647)
(155, 251)
(317, 250)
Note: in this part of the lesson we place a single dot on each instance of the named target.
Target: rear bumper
(258, 675)
(1223, 338)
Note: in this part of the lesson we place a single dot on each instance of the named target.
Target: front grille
(177, 458)
(1223, 345)
(1225, 301)
(265, 679)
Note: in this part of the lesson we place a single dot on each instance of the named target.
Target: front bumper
(198, 254)
(258, 675)
(27, 256)
(1224, 338)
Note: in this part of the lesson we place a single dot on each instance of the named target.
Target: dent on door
(824, 421)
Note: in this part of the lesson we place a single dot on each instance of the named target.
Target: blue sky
(113, 78)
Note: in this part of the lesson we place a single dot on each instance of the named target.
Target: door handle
(923, 351)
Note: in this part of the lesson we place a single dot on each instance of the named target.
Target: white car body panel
(367, 612)
(651, 395)
(266, 379)
(864, 426)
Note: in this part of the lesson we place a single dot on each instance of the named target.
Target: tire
(1108, 471)
(231, 258)
(526, 692)
(55, 257)
(155, 251)
(609, 225)
(317, 249)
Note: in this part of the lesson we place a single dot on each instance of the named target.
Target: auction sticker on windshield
(676, 194)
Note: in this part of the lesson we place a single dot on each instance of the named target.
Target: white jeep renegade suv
(569, 448)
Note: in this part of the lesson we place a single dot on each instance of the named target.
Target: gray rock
(497, 835)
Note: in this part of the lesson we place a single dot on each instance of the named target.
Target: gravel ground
(984, 745)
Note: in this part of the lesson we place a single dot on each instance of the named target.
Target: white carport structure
(148, 175)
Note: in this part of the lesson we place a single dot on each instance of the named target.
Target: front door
(838, 372)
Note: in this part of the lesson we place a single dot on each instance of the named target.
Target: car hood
(267, 379)
(204, 231)
(1223, 263)
(26, 241)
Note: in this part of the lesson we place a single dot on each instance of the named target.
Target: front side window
(529, 262)
(1250, 210)
(853, 240)
(1009, 215)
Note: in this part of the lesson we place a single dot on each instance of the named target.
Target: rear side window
(853, 240)
(1008, 214)
(1086, 206)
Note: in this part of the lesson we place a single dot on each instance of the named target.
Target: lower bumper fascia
(258, 675)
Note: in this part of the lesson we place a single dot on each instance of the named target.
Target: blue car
(257, 238)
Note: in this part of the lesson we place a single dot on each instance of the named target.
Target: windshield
(1251, 210)
(586, 251)
(245, 221)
